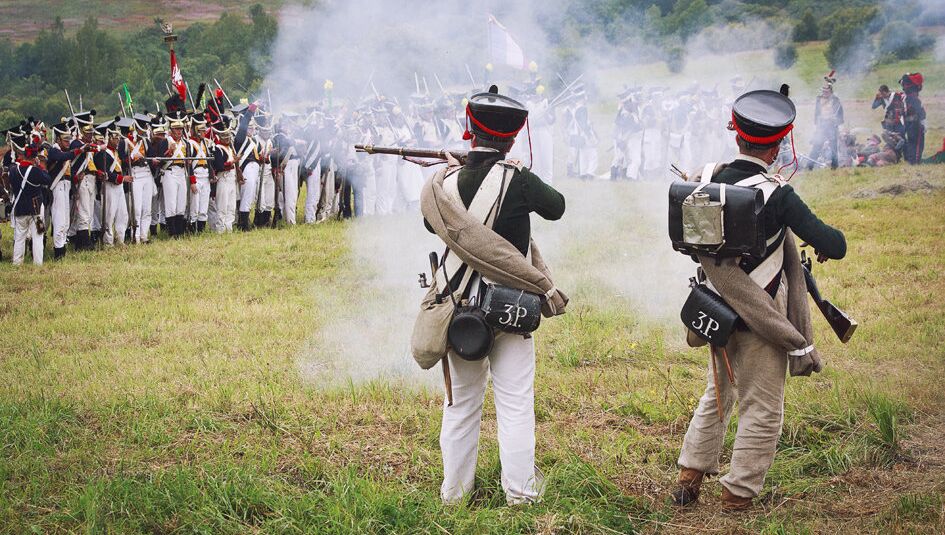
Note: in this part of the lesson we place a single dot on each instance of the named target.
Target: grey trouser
(759, 369)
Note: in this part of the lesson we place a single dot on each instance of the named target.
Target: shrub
(850, 49)
(901, 40)
(807, 29)
(675, 59)
(785, 56)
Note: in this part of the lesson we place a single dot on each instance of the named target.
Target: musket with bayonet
(407, 153)
(220, 87)
(841, 323)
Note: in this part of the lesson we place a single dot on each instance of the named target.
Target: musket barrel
(408, 152)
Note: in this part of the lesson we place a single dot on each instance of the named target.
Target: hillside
(21, 21)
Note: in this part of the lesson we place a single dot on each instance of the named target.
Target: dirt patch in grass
(895, 190)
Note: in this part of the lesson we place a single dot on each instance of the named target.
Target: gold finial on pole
(169, 36)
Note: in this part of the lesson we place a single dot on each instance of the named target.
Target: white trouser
(587, 161)
(410, 182)
(60, 212)
(23, 227)
(175, 185)
(116, 214)
(512, 367)
(97, 210)
(226, 200)
(634, 154)
(200, 202)
(142, 188)
(157, 205)
(86, 203)
(266, 203)
(289, 196)
(213, 217)
(249, 187)
(543, 153)
(313, 192)
(386, 180)
(367, 205)
(327, 205)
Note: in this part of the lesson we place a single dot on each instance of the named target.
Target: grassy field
(163, 389)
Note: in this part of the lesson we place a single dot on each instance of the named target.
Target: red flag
(176, 79)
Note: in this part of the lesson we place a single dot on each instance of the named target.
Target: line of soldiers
(655, 127)
(124, 179)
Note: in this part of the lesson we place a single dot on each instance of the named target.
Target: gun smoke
(612, 239)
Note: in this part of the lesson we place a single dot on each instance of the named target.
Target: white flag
(502, 46)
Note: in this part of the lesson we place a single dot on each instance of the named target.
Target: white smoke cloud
(612, 242)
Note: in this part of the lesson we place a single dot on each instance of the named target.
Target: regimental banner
(502, 46)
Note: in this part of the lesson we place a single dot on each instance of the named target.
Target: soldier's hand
(451, 160)
(821, 258)
(193, 188)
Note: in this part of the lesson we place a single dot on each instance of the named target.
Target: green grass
(159, 389)
(215, 385)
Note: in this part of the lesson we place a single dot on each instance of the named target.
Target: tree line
(95, 64)
(235, 48)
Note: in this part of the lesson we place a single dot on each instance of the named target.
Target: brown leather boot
(731, 502)
(690, 483)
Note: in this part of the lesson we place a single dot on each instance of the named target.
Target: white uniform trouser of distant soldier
(175, 186)
(226, 200)
(289, 192)
(511, 365)
(268, 200)
(634, 154)
(116, 214)
(249, 187)
(85, 204)
(200, 202)
(23, 227)
(409, 184)
(328, 204)
(543, 153)
(385, 177)
(318, 193)
(364, 188)
(142, 187)
(587, 161)
(60, 211)
(652, 153)
(157, 204)
(97, 207)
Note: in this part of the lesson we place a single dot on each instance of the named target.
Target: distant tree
(900, 40)
(860, 18)
(785, 56)
(93, 62)
(806, 29)
(850, 49)
(676, 59)
(687, 18)
(52, 52)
